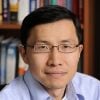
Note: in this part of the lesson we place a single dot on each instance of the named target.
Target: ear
(23, 54)
(80, 48)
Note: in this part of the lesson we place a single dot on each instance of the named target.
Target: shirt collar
(37, 92)
(77, 87)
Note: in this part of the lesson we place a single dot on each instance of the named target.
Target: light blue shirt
(82, 87)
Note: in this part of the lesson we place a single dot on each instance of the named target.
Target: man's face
(54, 69)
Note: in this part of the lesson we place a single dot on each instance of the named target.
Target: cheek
(72, 64)
(72, 61)
(39, 59)
(37, 63)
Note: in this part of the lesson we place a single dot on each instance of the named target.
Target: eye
(42, 46)
(66, 46)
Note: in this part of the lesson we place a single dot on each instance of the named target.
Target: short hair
(48, 14)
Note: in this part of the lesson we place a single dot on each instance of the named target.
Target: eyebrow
(47, 42)
(65, 41)
(42, 41)
(69, 41)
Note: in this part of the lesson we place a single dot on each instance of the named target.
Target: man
(51, 45)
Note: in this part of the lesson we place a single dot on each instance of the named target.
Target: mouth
(56, 74)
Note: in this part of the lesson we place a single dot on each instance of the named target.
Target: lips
(56, 74)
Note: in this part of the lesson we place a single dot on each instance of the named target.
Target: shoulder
(86, 85)
(83, 78)
(15, 89)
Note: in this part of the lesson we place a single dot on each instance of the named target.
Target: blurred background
(97, 38)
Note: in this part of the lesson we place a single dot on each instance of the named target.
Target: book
(41, 3)
(81, 10)
(13, 9)
(23, 10)
(11, 63)
(33, 4)
(61, 3)
(1, 38)
(37, 4)
(4, 45)
(46, 2)
(68, 4)
(5, 10)
(1, 18)
(53, 2)
(75, 7)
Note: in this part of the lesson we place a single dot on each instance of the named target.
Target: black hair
(48, 14)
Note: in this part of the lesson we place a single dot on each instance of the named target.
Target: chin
(55, 85)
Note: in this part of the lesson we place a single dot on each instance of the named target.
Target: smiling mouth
(56, 74)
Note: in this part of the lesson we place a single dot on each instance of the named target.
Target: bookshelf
(12, 29)
(9, 26)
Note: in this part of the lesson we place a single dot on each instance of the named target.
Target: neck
(56, 93)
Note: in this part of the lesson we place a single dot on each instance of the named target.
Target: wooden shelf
(9, 26)
(88, 59)
(15, 26)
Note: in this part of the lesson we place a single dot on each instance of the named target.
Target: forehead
(63, 30)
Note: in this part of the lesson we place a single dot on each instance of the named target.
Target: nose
(54, 58)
